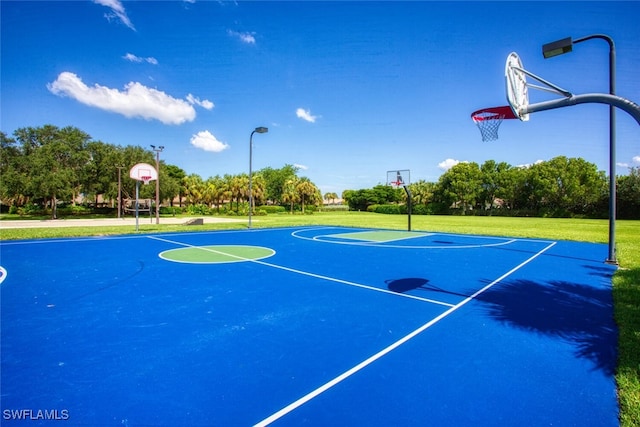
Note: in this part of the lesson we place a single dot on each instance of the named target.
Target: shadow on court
(576, 313)
(416, 283)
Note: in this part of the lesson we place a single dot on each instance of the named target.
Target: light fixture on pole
(158, 150)
(563, 46)
(258, 130)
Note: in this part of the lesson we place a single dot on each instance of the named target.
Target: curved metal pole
(626, 105)
(614, 101)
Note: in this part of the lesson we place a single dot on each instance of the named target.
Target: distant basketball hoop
(142, 172)
(402, 178)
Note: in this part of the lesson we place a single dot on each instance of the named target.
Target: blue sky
(348, 90)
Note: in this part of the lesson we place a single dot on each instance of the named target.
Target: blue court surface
(317, 326)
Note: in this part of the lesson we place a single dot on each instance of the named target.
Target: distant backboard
(398, 178)
(143, 172)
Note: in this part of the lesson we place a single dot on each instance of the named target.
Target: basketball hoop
(145, 179)
(488, 121)
(398, 178)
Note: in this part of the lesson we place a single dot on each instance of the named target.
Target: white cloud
(634, 161)
(448, 164)
(306, 115)
(136, 100)
(117, 10)
(301, 167)
(133, 58)
(206, 104)
(207, 142)
(528, 165)
(244, 37)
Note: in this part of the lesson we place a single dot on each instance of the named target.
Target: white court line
(3, 274)
(382, 244)
(415, 235)
(306, 273)
(304, 399)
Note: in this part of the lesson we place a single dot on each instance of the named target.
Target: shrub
(273, 209)
(198, 210)
(385, 209)
(171, 210)
(335, 208)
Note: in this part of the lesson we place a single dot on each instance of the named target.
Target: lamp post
(119, 192)
(563, 46)
(158, 150)
(258, 130)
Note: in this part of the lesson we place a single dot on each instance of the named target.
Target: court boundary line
(133, 236)
(416, 235)
(306, 273)
(311, 395)
(319, 238)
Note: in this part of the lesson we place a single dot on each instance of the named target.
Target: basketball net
(488, 122)
(145, 179)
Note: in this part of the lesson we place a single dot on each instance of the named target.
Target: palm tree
(421, 192)
(289, 192)
(221, 192)
(239, 189)
(258, 188)
(306, 190)
(194, 189)
(210, 192)
(330, 196)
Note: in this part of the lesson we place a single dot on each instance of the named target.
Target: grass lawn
(626, 282)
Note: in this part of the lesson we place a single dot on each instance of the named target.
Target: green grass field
(626, 281)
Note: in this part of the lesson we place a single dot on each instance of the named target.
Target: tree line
(560, 187)
(44, 167)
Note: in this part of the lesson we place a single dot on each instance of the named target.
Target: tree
(512, 187)
(216, 191)
(494, 181)
(194, 189)
(567, 185)
(239, 189)
(56, 158)
(289, 192)
(12, 184)
(421, 192)
(99, 174)
(274, 181)
(307, 191)
(629, 194)
(461, 185)
(176, 174)
(360, 200)
(257, 191)
(330, 197)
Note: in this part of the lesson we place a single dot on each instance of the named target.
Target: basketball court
(308, 326)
